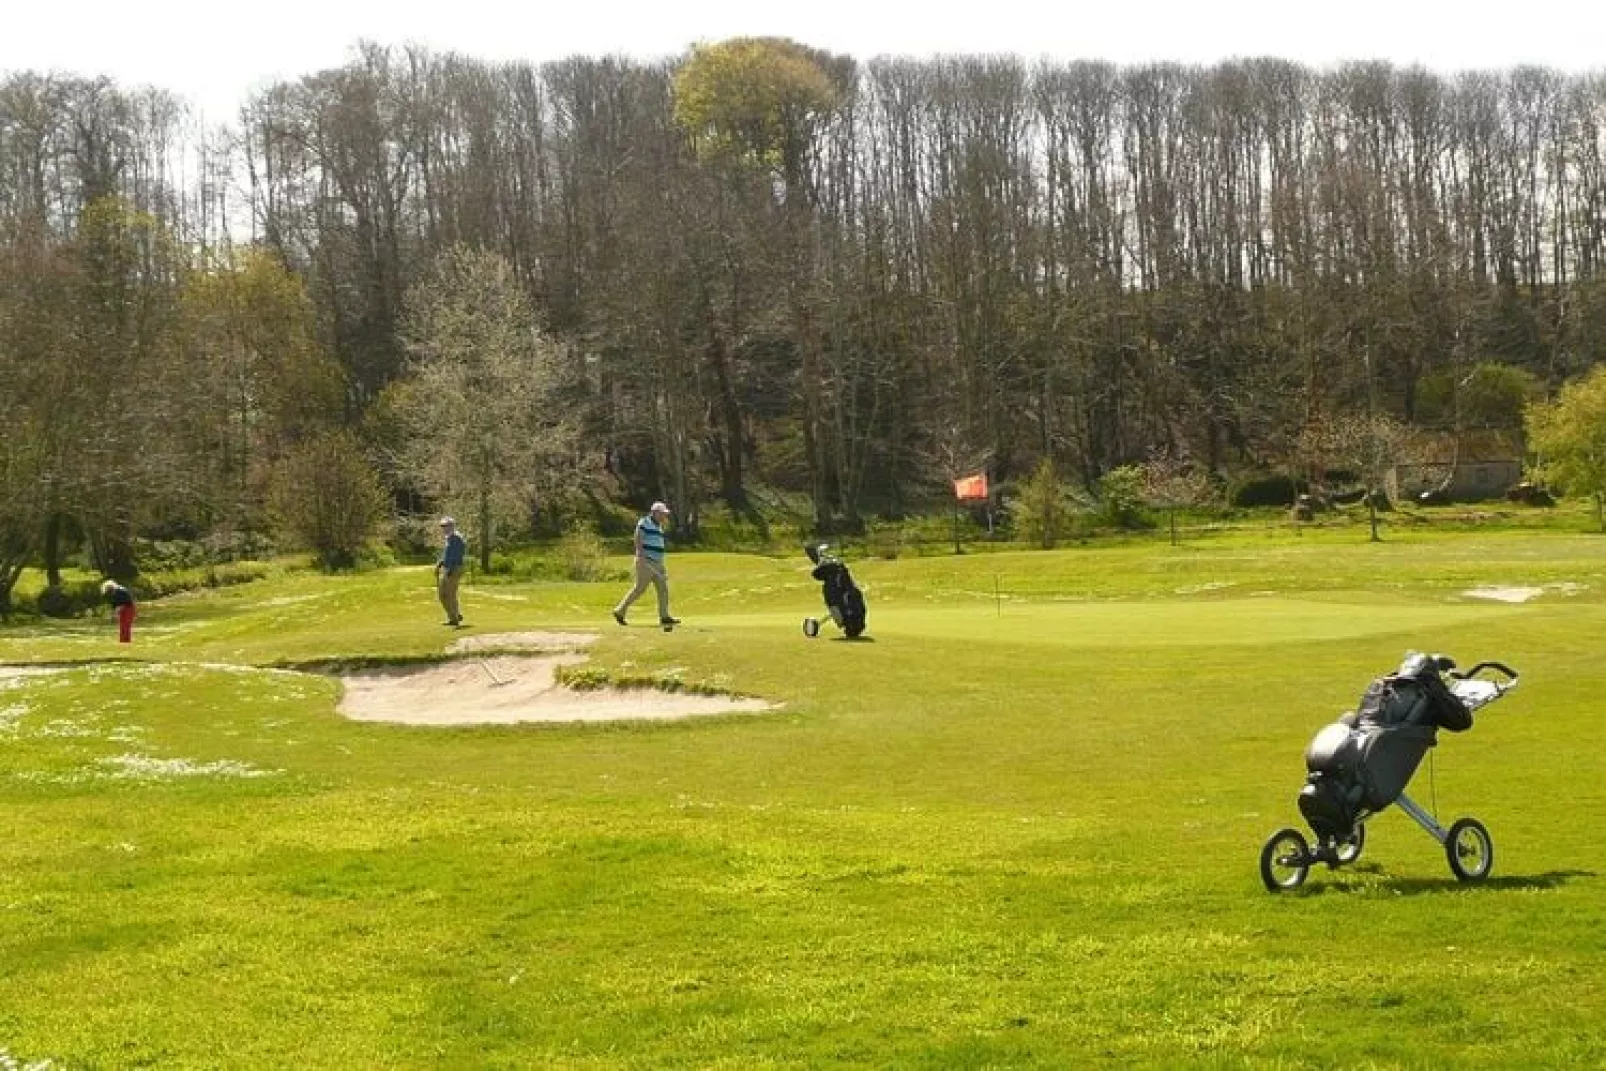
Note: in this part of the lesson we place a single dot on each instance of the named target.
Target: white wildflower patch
(146, 768)
(1197, 589)
(39, 777)
(9, 1062)
(18, 676)
(67, 729)
(291, 600)
(11, 717)
(500, 596)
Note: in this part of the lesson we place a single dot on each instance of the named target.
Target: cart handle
(1499, 667)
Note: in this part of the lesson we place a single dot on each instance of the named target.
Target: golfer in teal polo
(650, 565)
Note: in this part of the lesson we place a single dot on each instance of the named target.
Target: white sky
(215, 53)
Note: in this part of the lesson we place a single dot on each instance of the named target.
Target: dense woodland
(757, 267)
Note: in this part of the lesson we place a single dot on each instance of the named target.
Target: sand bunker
(1516, 594)
(523, 641)
(508, 689)
(1504, 594)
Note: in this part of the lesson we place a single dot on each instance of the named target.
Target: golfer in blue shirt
(650, 565)
(449, 571)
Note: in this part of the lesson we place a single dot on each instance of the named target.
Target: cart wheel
(1470, 851)
(1349, 849)
(1285, 860)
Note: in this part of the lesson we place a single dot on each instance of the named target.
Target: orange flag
(971, 488)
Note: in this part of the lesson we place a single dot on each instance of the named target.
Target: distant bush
(67, 599)
(415, 538)
(165, 555)
(1270, 490)
(80, 595)
(1530, 494)
(225, 574)
(1043, 506)
(582, 555)
(1121, 494)
(884, 539)
(326, 494)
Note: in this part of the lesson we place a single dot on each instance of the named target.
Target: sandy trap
(509, 689)
(523, 641)
(1524, 594)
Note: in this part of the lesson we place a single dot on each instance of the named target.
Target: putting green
(1148, 623)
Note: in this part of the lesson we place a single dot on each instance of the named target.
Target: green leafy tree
(32, 331)
(1492, 395)
(111, 384)
(1121, 494)
(260, 379)
(759, 104)
(1568, 436)
(1043, 510)
(760, 98)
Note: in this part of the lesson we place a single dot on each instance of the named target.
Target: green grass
(1018, 829)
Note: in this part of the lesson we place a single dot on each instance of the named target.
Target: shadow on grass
(62, 664)
(1550, 879)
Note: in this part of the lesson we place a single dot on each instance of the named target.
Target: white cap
(447, 521)
(658, 507)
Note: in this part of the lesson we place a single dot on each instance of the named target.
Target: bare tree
(479, 406)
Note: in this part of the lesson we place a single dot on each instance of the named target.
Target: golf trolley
(843, 599)
(1361, 763)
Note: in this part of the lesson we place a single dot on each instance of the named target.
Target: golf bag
(843, 599)
(1360, 764)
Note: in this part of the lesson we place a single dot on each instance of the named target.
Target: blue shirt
(455, 551)
(652, 538)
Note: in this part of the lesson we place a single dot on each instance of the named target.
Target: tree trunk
(485, 530)
(732, 486)
(52, 551)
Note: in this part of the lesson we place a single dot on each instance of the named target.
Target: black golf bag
(1360, 764)
(843, 599)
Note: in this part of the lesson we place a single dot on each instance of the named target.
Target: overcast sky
(215, 53)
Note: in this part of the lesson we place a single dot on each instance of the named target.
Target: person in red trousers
(122, 601)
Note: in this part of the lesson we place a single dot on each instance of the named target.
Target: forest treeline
(758, 265)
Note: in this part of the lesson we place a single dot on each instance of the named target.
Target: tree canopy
(1568, 436)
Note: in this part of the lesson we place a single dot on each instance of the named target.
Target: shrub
(69, 598)
(1269, 490)
(1043, 509)
(1121, 492)
(80, 595)
(884, 539)
(326, 495)
(582, 556)
(416, 538)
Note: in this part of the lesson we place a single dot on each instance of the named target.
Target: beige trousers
(446, 581)
(648, 572)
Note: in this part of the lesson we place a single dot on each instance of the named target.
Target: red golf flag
(971, 488)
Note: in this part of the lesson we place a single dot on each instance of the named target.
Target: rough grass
(1018, 829)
